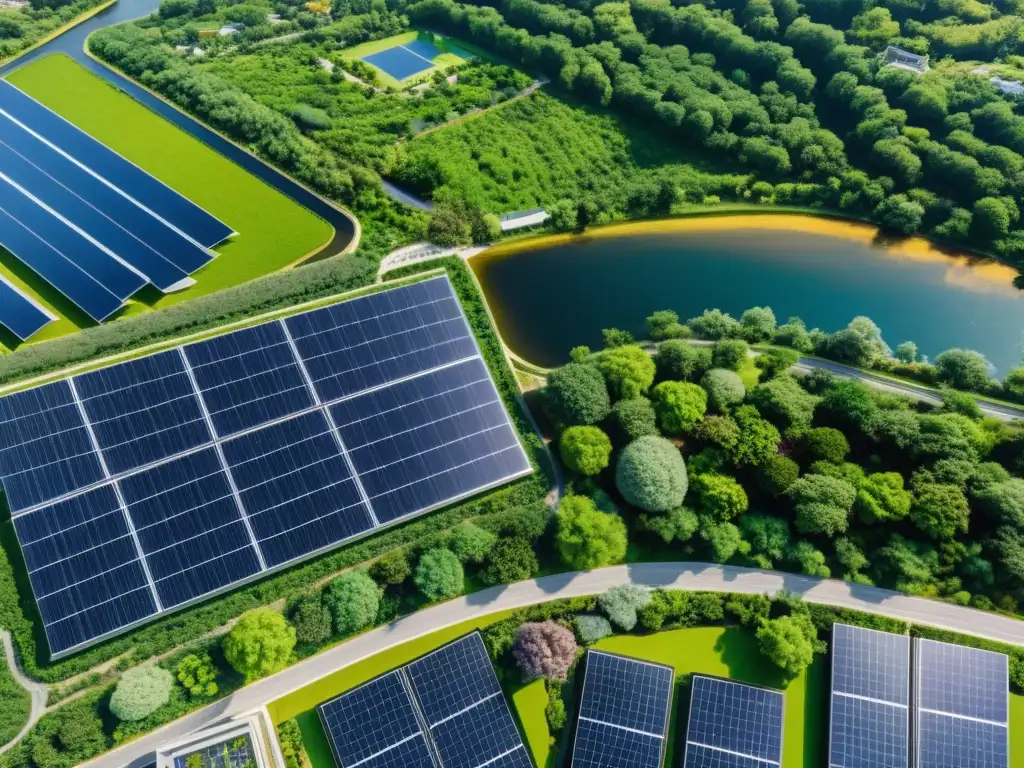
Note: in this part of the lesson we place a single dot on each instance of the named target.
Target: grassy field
(16, 704)
(274, 231)
(452, 53)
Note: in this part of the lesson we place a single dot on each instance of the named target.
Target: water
(560, 292)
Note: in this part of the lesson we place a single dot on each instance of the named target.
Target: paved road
(689, 576)
(37, 691)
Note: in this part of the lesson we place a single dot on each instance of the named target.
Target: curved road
(687, 576)
(72, 43)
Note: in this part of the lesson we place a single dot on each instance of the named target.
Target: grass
(530, 701)
(452, 53)
(15, 704)
(274, 231)
(1016, 731)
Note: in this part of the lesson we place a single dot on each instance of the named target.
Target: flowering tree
(544, 649)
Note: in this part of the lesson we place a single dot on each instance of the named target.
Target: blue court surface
(404, 61)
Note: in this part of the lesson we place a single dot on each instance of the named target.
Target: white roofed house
(897, 57)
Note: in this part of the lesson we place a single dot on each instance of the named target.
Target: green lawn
(273, 231)
(1016, 731)
(452, 52)
(529, 702)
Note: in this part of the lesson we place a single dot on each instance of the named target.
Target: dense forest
(21, 27)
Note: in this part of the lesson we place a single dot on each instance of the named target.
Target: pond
(550, 294)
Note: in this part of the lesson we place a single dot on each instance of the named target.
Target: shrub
(665, 324)
(776, 361)
(311, 619)
(635, 418)
(585, 449)
(826, 444)
(678, 405)
(140, 692)
(719, 496)
(729, 354)
(544, 649)
(620, 604)
(822, 504)
(470, 542)
(555, 710)
(628, 370)
(777, 474)
(292, 747)
(788, 642)
(260, 644)
(651, 474)
(392, 568)
(510, 560)
(714, 324)
(353, 599)
(725, 388)
(439, 575)
(587, 538)
(576, 395)
(962, 369)
(758, 440)
(677, 524)
(198, 675)
(591, 628)
(678, 361)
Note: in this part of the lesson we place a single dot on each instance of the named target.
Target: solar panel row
(225, 458)
(624, 711)
(733, 724)
(19, 313)
(90, 223)
(444, 709)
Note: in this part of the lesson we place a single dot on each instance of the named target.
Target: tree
(678, 405)
(724, 540)
(769, 539)
(940, 511)
(811, 559)
(616, 337)
(628, 371)
(651, 474)
(511, 559)
(392, 568)
(721, 431)
(729, 354)
(758, 440)
(679, 361)
(907, 352)
(563, 215)
(900, 213)
(576, 395)
(439, 575)
(875, 27)
(1003, 501)
(579, 354)
(587, 538)
(719, 496)
(620, 604)
(590, 628)
(793, 333)
(544, 649)
(788, 642)
(585, 450)
(776, 361)
(822, 504)
(353, 599)
(311, 619)
(962, 403)
(470, 543)
(962, 369)
(725, 388)
(635, 417)
(785, 403)
(140, 692)
(714, 324)
(882, 498)
(826, 444)
(198, 675)
(991, 219)
(677, 524)
(948, 436)
(260, 644)
(777, 474)
(665, 324)
(757, 324)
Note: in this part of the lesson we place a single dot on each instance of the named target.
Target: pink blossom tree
(544, 649)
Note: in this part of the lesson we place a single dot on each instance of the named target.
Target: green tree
(576, 395)
(725, 388)
(991, 219)
(776, 361)
(757, 324)
(579, 354)
(881, 498)
(769, 539)
(759, 439)
(720, 431)
(785, 403)
(962, 369)
(665, 324)
(962, 403)
(620, 604)
(826, 444)
(353, 600)
(512, 559)
(198, 675)
(439, 575)
(724, 540)
(651, 474)
(875, 27)
(940, 511)
(788, 642)
(140, 692)
(1014, 382)
(907, 352)
(793, 333)
(470, 543)
(679, 361)
(392, 568)
(635, 418)
(777, 474)
(628, 371)
(311, 619)
(729, 354)
(678, 405)
(616, 337)
(714, 324)
(585, 450)
(563, 215)
(900, 213)
(810, 559)
(587, 538)
(822, 504)
(677, 524)
(719, 496)
(260, 644)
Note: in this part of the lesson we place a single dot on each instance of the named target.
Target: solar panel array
(90, 223)
(21, 314)
(624, 711)
(144, 486)
(961, 707)
(444, 710)
(870, 699)
(733, 725)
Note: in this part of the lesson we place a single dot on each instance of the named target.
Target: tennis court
(403, 61)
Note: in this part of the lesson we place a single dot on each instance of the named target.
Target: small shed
(520, 219)
(229, 29)
(897, 57)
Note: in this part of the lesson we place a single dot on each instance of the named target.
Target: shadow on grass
(315, 739)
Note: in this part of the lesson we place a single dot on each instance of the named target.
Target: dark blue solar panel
(143, 411)
(45, 449)
(175, 254)
(399, 62)
(627, 692)
(19, 313)
(190, 527)
(699, 756)
(423, 48)
(366, 342)
(428, 440)
(296, 487)
(517, 758)
(153, 194)
(453, 678)
(953, 742)
(84, 568)
(962, 681)
(600, 745)
(413, 753)
(868, 734)
(869, 663)
(248, 378)
(473, 737)
(736, 717)
(370, 719)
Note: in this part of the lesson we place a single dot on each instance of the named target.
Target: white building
(520, 219)
(897, 57)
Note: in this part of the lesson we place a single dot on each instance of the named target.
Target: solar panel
(20, 314)
(735, 720)
(445, 709)
(961, 706)
(231, 464)
(870, 723)
(624, 712)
